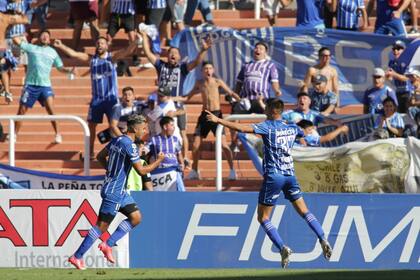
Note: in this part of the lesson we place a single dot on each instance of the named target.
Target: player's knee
(135, 219)
(261, 218)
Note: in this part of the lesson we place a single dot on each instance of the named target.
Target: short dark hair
(165, 120)
(305, 123)
(134, 120)
(207, 62)
(274, 104)
(389, 99)
(44, 31)
(302, 93)
(102, 37)
(127, 89)
(170, 48)
(262, 43)
(321, 50)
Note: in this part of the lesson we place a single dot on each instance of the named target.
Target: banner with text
(163, 179)
(43, 228)
(220, 230)
(391, 165)
(294, 50)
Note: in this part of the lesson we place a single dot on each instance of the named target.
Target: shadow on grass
(312, 275)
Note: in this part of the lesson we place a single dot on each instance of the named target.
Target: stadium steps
(35, 151)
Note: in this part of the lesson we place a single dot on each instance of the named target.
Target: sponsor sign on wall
(200, 230)
(41, 228)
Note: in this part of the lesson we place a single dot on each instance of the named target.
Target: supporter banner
(354, 54)
(220, 230)
(31, 179)
(43, 228)
(167, 179)
(391, 165)
(163, 180)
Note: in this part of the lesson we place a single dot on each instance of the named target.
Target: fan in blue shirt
(279, 174)
(373, 98)
(313, 139)
(389, 119)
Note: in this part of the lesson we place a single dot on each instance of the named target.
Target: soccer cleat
(58, 139)
(107, 251)
(285, 254)
(78, 263)
(232, 175)
(326, 249)
(194, 175)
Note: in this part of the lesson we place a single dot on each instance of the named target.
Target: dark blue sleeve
(299, 132)
(184, 69)
(158, 65)
(116, 112)
(132, 151)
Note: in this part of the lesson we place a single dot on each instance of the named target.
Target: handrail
(219, 130)
(13, 118)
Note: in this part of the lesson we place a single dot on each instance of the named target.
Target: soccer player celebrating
(122, 154)
(279, 174)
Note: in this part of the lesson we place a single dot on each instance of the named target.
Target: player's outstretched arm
(233, 125)
(143, 170)
(69, 51)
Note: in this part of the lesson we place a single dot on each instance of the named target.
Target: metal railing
(219, 130)
(13, 118)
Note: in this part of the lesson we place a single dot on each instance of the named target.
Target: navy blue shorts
(111, 204)
(97, 110)
(31, 94)
(274, 183)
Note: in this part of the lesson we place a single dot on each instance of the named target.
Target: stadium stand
(33, 147)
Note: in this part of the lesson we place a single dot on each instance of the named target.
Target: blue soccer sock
(94, 233)
(273, 234)
(314, 225)
(123, 228)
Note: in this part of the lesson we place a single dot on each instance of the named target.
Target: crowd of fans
(165, 110)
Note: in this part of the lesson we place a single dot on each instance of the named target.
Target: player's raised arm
(233, 125)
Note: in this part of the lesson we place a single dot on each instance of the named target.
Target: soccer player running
(279, 174)
(103, 75)
(118, 157)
